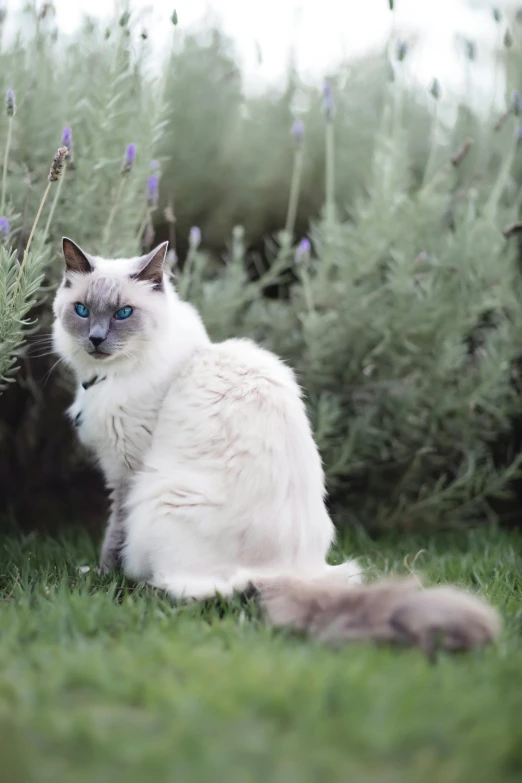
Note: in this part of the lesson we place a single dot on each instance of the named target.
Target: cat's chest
(116, 425)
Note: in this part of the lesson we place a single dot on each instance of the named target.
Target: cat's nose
(96, 340)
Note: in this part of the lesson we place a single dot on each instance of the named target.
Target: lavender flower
(328, 102)
(435, 89)
(57, 165)
(68, 142)
(402, 50)
(195, 237)
(5, 228)
(67, 138)
(10, 103)
(129, 159)
(302, 252)
(153, 191)
(516, 102)
(154, 165)
(298, 132)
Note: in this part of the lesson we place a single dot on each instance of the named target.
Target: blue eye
(82, 311)
(123, 313)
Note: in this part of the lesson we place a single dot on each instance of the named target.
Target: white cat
(215, 478)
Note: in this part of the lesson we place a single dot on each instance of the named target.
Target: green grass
(100, 681)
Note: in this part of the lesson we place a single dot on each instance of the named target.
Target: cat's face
(108, 309)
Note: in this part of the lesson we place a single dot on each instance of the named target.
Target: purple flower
(153, 191)
(10, 102)
(68, 142)
(154, 165)
(67, 138)
(195, 237)
(328, 102)
(516, 102)
(128, 160)
(298, 131)
(303, 250)
(5, 228)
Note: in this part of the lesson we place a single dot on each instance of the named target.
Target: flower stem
(112, 213)
(143, 224)
(6, 159)
(330, 173)
(185, 280)
(306, 284)
(433, 146)
(31, 235)
(295, 185)
(496, 192)
(37, 218)
(52, 211)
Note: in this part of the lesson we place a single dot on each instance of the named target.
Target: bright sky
(323, 31)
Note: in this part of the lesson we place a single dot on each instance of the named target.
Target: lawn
(102, 681)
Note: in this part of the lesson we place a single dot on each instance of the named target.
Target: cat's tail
(396, 611)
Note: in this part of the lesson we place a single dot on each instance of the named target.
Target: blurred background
(354, 170)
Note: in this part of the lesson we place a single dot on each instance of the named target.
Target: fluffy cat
(215, 478)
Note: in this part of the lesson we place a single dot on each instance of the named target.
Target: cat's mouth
(99, 354)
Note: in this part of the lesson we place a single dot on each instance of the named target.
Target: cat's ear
(75, 259)
(151, 266)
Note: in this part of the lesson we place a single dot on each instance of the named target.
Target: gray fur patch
(103, 298)
(104, 294)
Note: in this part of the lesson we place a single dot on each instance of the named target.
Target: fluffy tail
(398, 611)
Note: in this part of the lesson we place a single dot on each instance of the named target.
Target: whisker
(40, 338)
(48, 373)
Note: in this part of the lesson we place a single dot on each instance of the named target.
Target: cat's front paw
(110, 560)
(445, 618)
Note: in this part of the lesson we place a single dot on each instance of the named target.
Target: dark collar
(92, 382)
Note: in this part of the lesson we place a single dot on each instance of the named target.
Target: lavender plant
(297, 132)
(20, 282)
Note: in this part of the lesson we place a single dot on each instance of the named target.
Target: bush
(403, 321)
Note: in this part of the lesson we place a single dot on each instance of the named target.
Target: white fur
(226, 483)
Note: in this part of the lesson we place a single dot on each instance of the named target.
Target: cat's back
(232, 374)
(230, 396)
